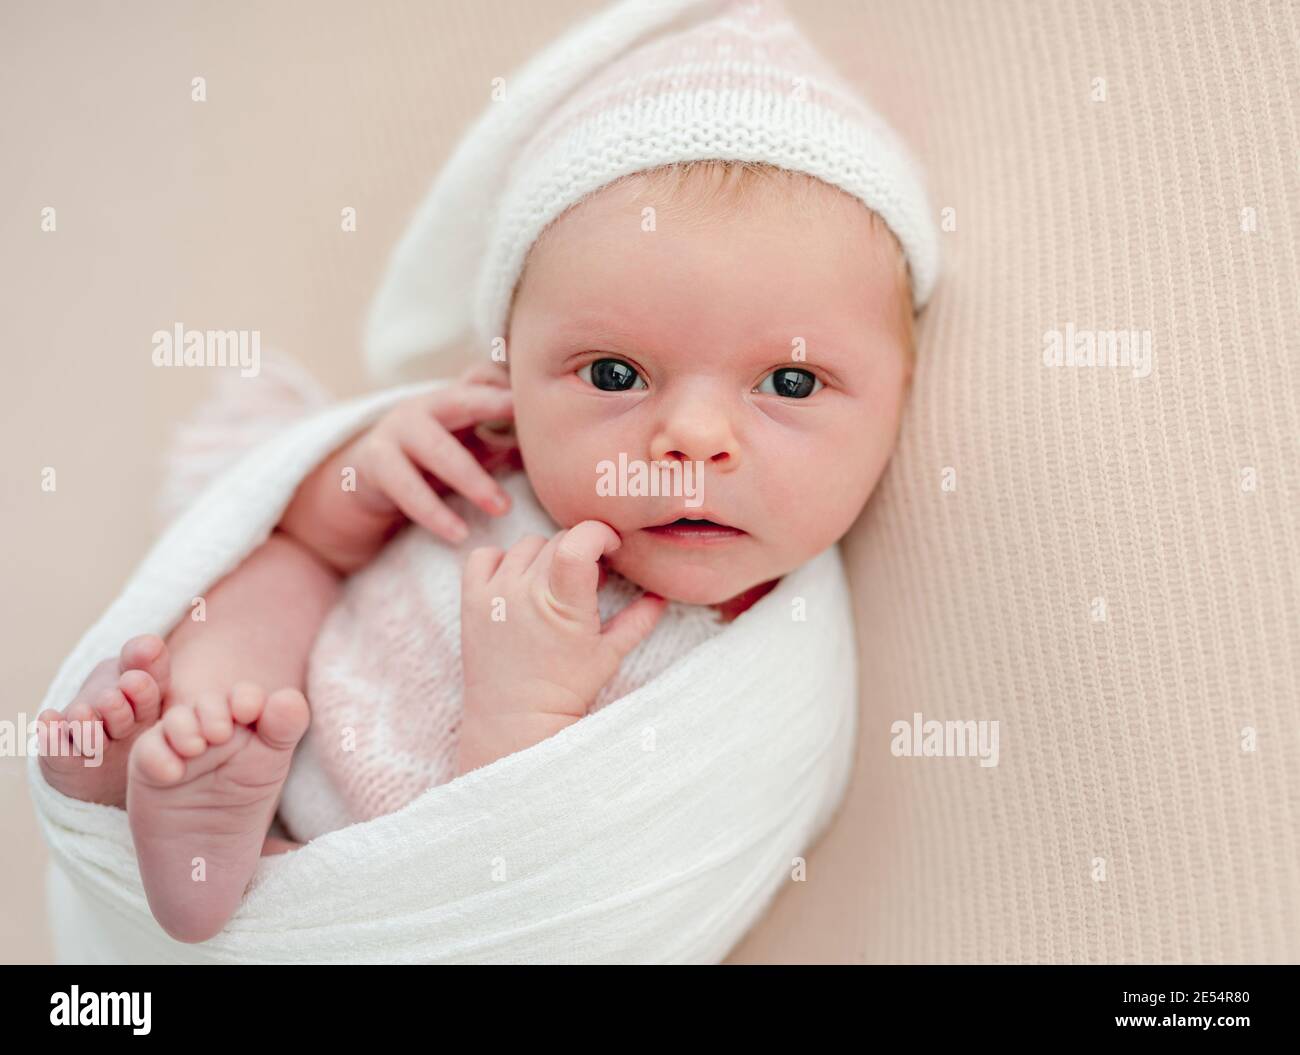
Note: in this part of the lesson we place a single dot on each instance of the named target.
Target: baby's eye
(611, 375)
(791, 382)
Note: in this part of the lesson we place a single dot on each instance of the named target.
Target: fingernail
(501, 501)
(459, 532)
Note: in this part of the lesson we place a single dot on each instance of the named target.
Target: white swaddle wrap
(656, 829)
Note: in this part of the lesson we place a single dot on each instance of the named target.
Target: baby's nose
(722, 459)
(697, 438)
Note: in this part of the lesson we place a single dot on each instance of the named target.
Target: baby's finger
(439, 452)
(573, 575)
(486, 374)
(633, 624)
(481, 564)
(401, 481)
(521, 555)
(460, 406)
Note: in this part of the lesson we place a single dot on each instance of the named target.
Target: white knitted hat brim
(565, 129)
(873, 168)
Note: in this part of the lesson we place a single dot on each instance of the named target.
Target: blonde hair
(692, 191)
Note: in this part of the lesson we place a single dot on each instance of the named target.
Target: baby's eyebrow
(793, 342)
(595, 330)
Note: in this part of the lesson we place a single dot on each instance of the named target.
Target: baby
(761, 331)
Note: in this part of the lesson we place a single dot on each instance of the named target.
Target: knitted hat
(643, 83)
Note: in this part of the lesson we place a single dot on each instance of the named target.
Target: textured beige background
(1120, 740)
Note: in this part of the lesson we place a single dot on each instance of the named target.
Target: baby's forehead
(786, 213)
(770, 238)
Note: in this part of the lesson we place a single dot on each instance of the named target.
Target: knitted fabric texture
(637, 87)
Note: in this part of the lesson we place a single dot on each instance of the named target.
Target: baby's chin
(685, 578)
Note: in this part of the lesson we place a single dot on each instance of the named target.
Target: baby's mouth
(695, 531)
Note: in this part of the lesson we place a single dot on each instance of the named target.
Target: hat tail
(425, 299)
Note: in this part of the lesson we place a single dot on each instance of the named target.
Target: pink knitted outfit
(384, 679)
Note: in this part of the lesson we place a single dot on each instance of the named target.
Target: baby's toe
(181, 728)
(115, 710)
(153, 759)
(52, 731)
(103, 676)
(48, 717)
(80, 725)
(215, 719)
(246, 702)
(284, 719)
(142, 693)
(149, 653)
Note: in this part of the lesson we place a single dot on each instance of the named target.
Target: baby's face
(762, 347)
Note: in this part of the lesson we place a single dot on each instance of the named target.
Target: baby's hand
(348, 507)
(410, 457)
(534, 653)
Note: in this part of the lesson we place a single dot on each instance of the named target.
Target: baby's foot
(87, 746)
(202, 790)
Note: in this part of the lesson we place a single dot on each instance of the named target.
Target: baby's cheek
(559, 492)
(813, 520)
(570, 495)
